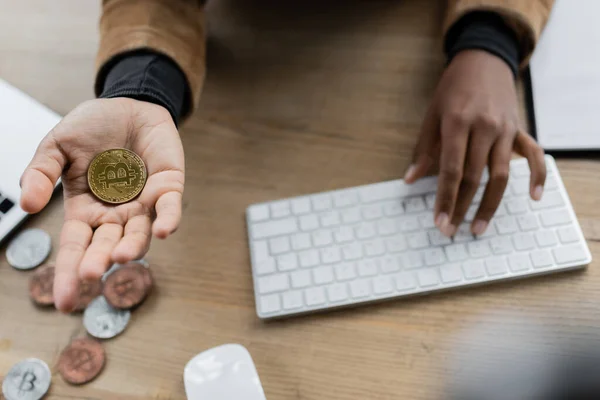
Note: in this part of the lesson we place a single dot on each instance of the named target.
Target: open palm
(96, 234)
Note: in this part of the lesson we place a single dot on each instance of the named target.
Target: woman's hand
(96, 234)
(472, 123)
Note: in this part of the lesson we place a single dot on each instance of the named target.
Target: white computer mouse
(225, 372)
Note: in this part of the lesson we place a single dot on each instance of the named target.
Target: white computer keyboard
(378, 242)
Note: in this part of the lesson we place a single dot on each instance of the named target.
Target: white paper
(565, 75)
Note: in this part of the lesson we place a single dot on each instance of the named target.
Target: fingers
(40, 176)
(480, 146)
(97, 257)
(499, 170)
(426, 149)
(168, 214)
(455, 134)
(528, 148)
(74, 240)
(135, 241)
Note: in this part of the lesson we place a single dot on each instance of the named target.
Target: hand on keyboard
(472, 123)
(94, 234)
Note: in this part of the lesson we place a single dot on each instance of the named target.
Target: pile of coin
(107, 306)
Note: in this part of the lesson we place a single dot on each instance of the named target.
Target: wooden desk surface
(299, 99)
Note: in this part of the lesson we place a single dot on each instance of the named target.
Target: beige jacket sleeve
(526, 17)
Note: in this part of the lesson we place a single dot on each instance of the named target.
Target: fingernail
(479, 227)
(409, 175)
(537, 192)
(441, 220)
(449, 230)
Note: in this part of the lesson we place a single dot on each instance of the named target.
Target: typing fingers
(528, 148)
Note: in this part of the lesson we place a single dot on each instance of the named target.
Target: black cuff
(484, 30)
(148, 76)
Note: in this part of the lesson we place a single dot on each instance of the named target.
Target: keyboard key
(386, 227)
(549, 200)
(396, 244)
(301, 206)
(345, 198)
(501, 210)
(279, 227)
(451, 273)
(382, 285)
(374, 248)
(501, 245)
(360, 288)
(496, 266)
(260, 251)
(519, 262)
(413, 259)
(343, 234)
(330, 255)
(392, 208)
(541, 259)
(555, 218)
(405, 281)
(519, 187)
(479, 249)
(331, 218)
(456, 252)
(265, 267)
(301, 241)
(365, 230)
(351, 215)
(321, 202)
(367, 267)
(371, 212)
(383, 191)
(517, 206)
(280, 209)
(569, 254)
(426, 221)
(301, 279)
(414, 204)
(322, 275)
(389, 264)
(489, 232)
(273, 283)
(568, 235)
(551, 183)
(545, 238)
(463, 234)
(344, 272)
(257, 213)
(409, 224)
(430, 201)
(279, 245)
(474, 269)
(528, 222)
(322, 238)
(314, 296)
(270, 304)
(337, 292)
(506, 225)
(352, 251)
(308, 258)
(428, 277)
(434, 256)
(287, 262)
(417, 240)
(309, 222)
(437, 238)
(520, 170)
(523, 241)
(471, 212)
(292, 300)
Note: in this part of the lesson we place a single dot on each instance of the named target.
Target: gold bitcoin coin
(117, 176)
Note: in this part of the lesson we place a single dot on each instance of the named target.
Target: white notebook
(565, 77)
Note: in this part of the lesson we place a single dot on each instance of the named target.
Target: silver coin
(103, 321)
(116, 266)
(27, 380)
(29, 249)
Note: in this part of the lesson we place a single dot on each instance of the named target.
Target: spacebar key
(274, 228)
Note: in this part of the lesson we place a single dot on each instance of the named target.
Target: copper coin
(88, 291)
(148, 280)
(126, 287)
(41, 286)
(81, 361)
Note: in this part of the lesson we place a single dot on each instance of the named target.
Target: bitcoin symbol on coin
(27, 382)
(116, 176)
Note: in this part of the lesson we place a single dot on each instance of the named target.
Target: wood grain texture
(300, 98)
